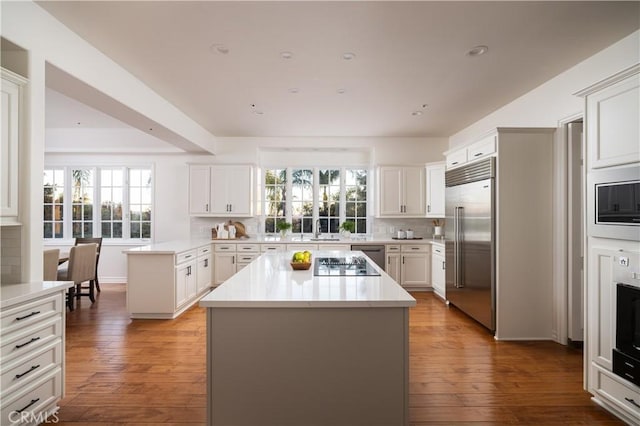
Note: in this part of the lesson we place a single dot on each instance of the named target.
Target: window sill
(105, 242)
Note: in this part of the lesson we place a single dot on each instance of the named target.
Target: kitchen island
(286, 347)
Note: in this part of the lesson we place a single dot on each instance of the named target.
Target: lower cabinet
(164, 284)
(438, 270)
(409, 265)
(32, 364)
(392, 266)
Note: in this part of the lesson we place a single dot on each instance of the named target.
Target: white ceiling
(407, 54)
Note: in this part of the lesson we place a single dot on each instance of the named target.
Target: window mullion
(316, 199)
(66, 205)
(343, 195)
(97, 202)
(126, 217)
(289, 192)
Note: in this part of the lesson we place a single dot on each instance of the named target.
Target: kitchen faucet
(316, 234)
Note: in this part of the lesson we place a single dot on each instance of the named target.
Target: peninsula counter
(287, 348)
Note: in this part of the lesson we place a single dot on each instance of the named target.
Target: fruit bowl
(300, 266)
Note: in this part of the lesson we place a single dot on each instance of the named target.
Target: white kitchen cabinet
(482, 148)
(33, 350)
(272, 248)
(438, 270)
(205, 265)
(435, 190)
(415, 266)
(185, 282)
(165, 283)
(456, 158)
(301, 247)
(612, 111)
(224, 262)
(401, 191)
(392, 266)
(12, 86)
(221, 191)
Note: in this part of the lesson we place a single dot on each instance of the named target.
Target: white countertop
(170, 247)
(270, 282)
(10, 294)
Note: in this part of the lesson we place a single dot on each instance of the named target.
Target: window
(302, 200)
(108, 202)
(356, 199)
(275, 185)
(303, 196)
(329, 200)
(54, 203)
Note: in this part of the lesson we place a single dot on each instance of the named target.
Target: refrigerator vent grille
(472, 173)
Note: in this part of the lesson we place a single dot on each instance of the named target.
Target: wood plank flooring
(150, 372)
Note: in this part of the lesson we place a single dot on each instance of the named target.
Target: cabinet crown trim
(611, 80)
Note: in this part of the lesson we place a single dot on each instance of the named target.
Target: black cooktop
(343, 266)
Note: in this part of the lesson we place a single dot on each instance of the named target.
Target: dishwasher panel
(375, 253)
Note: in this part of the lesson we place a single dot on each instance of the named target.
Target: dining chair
(50, 264)
(98, 241)
(81, 268)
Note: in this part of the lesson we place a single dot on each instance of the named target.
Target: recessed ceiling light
(341, 91)
(286, 55)
(478, 50)
(294, 90)
(219, 48)
(416, 113)
(425, 105)
(347, 56)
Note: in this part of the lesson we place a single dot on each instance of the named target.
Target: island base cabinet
(319, 366)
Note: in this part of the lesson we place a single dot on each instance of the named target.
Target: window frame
(97, 203)
(317, 199)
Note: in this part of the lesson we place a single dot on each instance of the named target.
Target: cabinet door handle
(233, 260)
(206, 207)
(428, 208)
(33, 367)
(34, 339)
(443, 268)
(206, 263)
(454, 163)
(26, 407)
(187, 256)
(478, 154)
(27, 316)
(415, 248)
(403, 260)
(632, 402)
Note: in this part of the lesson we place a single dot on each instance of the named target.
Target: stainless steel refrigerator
(470, 240)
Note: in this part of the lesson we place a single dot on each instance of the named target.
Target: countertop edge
(11, 294)
(305, 304)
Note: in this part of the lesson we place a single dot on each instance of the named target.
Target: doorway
(575, 246)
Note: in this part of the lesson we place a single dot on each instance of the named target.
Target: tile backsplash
(11, 253)
(379, 227)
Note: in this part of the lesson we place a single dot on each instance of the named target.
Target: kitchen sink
(324, 239)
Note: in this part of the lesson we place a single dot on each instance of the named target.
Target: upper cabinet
(11, 107)
(435, 190)
(401, 191)
(477, 150)
(612, 111)
(221, 190)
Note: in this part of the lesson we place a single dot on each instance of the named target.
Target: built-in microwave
(615, 210)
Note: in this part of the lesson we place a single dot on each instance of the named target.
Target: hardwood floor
(134, 372)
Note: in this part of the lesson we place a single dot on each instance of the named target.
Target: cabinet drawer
(225, 247)
(248, 248)
(456, 158)
(28, 368)
(185, 256)
(618, 392)
(32, 312)
(34, 399)
(204, 250)
(302, 247)
(246, 258)
(415, 248)
(482, 148)
(22, 342)
(271, 247)
(395, 248)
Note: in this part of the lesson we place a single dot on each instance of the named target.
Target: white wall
(554, 100)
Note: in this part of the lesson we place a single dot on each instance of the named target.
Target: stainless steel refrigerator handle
(460, 238)
(455, 247)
